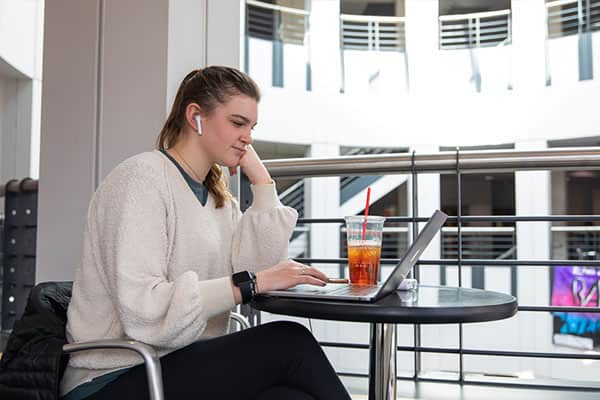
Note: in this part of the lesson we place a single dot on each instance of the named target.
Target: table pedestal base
(382, 362)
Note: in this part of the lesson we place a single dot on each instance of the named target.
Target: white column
(15, 127)
(225, 32)
(533, 195)
(422, 44)
(36, 98)
(322, 200)
(186, 45)
(325, 45)
(111, 69)
(528, 41)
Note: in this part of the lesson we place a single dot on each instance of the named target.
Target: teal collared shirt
(199, 190)
(89, 388)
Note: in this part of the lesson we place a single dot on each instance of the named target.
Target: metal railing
(478, 242)
(350, 186)
(294, 197)
(576, 242)
(458, 163)
(372, 33)
(484, 29)
(274, 22)
(570, 17)
(280, 25)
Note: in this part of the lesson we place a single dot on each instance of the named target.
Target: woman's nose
(246, 139)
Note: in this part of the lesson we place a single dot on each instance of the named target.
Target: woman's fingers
(310, 280)
(232, 171)
(311, 273)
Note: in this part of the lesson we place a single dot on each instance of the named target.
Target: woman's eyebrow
(246, 120)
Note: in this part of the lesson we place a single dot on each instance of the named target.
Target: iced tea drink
(364, 248)
(363, 263)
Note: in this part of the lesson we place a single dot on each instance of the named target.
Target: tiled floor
(408, 390)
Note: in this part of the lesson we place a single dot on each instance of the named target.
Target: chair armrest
(240, 319)
(151, 360)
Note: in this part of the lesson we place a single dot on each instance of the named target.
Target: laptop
(371, 293)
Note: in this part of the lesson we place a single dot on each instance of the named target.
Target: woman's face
(227, 130)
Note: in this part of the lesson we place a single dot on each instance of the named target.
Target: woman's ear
(193, 117)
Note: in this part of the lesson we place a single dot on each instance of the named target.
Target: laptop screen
(413, 253)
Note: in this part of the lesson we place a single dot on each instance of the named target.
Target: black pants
(278, 360)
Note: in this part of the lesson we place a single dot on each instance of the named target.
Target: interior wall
(104, 94)
(15, 128)
(107, 86)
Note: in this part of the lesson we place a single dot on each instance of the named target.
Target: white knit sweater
(156, 264)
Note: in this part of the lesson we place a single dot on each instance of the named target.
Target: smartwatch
(246, 281)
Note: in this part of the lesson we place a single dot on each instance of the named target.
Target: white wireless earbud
(198, 125)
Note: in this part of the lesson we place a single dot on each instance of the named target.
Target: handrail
(291, 189)
(479, 229)
(483, 14)
(371, 18)
(557, 3)
(274, 7)
(575, 229)
(442, 162)
(452, 229)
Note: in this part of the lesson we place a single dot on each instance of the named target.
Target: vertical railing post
(307, 48)
(440, 31)
(247, 41)
(469, 32)
(478, 31)
(342, 67)
(461, 376)
(278, 37)
(415, 271)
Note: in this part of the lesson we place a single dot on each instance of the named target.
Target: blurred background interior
(86, 84)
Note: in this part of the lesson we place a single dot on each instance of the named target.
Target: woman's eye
(239, 124)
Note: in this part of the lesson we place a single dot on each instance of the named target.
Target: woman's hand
(287, 274)
(253, 167)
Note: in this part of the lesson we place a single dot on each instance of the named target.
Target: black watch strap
(246, 289)
(246, 282)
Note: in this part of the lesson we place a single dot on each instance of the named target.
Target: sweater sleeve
(129, 222)
(263, 231)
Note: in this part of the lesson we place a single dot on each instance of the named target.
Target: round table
(426, 305)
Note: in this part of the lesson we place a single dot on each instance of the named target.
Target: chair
(48, 302)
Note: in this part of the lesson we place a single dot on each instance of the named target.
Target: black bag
(33, 362)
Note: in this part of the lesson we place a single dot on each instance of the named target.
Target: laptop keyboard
(335, 289)
(356, 290)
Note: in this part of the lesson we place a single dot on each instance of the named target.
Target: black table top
(426, 305)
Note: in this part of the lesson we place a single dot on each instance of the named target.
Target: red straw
(364, 232)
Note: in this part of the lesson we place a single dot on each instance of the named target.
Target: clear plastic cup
(364, 250)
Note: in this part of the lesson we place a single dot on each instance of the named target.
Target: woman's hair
(208, 87)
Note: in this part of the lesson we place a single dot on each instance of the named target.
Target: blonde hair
(207, 87)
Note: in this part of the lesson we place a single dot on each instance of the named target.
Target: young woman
(167, 254)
